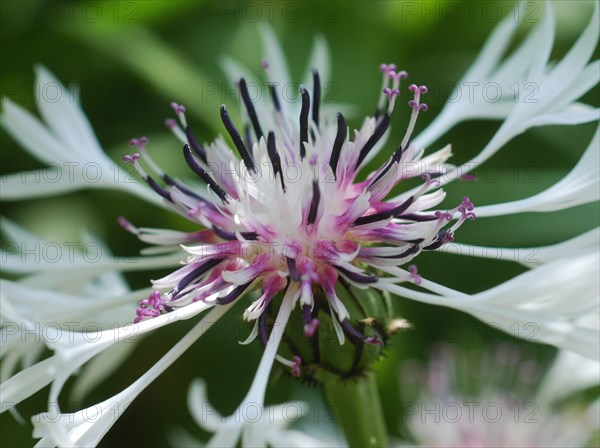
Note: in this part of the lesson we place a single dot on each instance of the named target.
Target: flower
(310, 231)
(64, 135)
(301, 236)
(487, 399)
(494, 398)
(270, 425)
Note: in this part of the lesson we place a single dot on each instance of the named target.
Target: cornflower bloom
(288, 210)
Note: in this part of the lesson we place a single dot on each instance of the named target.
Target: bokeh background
(132, 58)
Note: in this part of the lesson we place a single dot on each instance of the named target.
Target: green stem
(355, 402)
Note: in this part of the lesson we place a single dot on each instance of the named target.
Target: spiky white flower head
(324, 225)
(289, 207)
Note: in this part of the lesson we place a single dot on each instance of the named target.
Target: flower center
(285, 207)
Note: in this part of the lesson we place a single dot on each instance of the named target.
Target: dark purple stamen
(340, 138)
(197, 147)
(382, 126)
(314, 203)
(412, 250)
(417, 218)
(231, 236)
(395, 159)
(201, 172)
(306, 314)
(350, 330)
(250, 108)
(395, 212)
(275, 97)
(304, 120)
(442, 238)
(316, 96)
(160, 190)
(234, 294)
(237, 139)
(197, 272)
(274, 157)
(172, 182)
(356, 276)
(262, 328)
(292, 269)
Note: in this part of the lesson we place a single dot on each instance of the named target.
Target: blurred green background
(132, 59)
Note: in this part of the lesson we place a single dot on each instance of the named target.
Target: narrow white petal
(235, 70)
(227, 431)
(531, 256)
(494, 48)
(569, 374)
(46, 306)
(31, 134)
(580, 186)
(25, 383)
(545, 42)
(552, 304)
(548, 303)
(480, 71)
(76, 429)
(36, 184)
(65, 117)
(16, 233)
(202, 412)
(578, 56)
(100, 368)
(278, 68)
(585, 81)
(319, 59)
(571, 115)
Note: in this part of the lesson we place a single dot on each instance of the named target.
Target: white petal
(578, 56)
(38, 184)
(573, 114)
(100, 368)
(80, 430)
(531, 256)
(580, 186)
(227, 431)
(552, 304)
(548, 303)
(569, 374)
(202, 412)
(541, 55)
(278, 67)
(555, 91)
(481, 70)
(45, 306)
(319, 59)
(65, 117)
(234, 70)
(30, 133)
(25, 383)
(16, 233)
